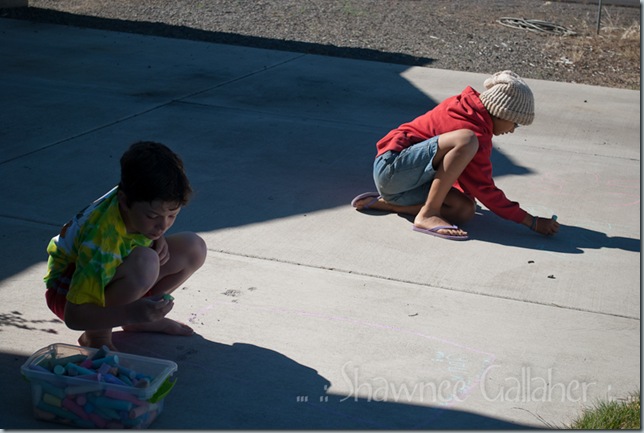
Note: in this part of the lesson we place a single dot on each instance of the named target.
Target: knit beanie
(508, 97)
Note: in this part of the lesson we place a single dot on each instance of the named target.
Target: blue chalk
(110, 403)
(112, 360)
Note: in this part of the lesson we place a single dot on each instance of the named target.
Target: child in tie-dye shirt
(111, 264)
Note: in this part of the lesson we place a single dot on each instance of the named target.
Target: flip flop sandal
(364, 195)
(434, 232)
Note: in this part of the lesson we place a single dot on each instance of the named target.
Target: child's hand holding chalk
(164, 297)
(554, 226)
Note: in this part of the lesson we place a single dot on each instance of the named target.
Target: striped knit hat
(508, 97)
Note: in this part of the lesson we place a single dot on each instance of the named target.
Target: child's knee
(201, 250)
(467, 140)
(468, 210)
(143, 267)
(196, 249)
(461, 208)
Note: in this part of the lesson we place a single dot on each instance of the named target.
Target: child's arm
(92, 316)
(545, 226)
(161, 247)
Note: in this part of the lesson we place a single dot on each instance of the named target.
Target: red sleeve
(476, 180)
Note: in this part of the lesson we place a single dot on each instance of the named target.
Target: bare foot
(163, 326)
(435, 221)
(376, 203)
(97, 340)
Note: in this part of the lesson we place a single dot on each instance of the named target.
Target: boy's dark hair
(151, 171)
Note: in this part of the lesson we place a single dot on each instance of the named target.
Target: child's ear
(122, 198)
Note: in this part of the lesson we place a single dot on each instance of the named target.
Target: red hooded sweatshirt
(464, 111)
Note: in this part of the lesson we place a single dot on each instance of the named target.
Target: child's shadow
(242, 386)
(487, 227)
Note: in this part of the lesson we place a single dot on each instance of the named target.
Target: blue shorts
(404, 178)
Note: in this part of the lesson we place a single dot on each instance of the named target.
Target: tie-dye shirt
(96, 242)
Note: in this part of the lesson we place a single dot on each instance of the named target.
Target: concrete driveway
(310, 314)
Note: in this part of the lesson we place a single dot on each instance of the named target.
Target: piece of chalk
(110, 378)
(89, 407)
(106, 412)
(62, 413)
(93, 377)
(125, 379)
(168, 297)
(121, 395)
(111, 360)
(97, 420)
(142, 383)
(52, 400)
(77, 370)
(126, 371)
(41, 414)
(71, 406)
(53, 390)
(104, 368)
(67, 359)
(554, 217)
(113, 404)
(81, 400)
(141, 410)
(101, 353)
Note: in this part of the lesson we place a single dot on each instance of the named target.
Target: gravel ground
(445, 34)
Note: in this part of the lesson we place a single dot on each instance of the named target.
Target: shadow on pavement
(324, 158)
(488, 227)
(183, 32)
(255, 387)
(259, 388)
(15, 319)
(243, 386)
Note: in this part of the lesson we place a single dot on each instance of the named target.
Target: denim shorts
(404, 178)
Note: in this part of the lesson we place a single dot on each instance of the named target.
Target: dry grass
(614, 51)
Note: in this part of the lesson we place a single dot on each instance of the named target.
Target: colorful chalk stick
(113, 403)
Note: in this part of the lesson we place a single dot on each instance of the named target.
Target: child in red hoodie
(436, 165)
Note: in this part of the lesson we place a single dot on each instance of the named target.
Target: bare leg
(132, 280)
(383, 205)
(187, 254)
(141, 272)
(97, 339)
(444, 203)
(455, 150)
(457, 207)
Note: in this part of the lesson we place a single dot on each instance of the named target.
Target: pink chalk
(120, 395)
(69, 404)
(139, 410)
(81, 400)
(97, 420)
(87, 363)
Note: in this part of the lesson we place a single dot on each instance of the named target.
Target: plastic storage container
(91, 388)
